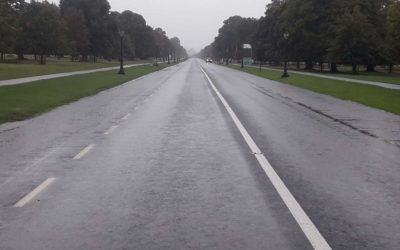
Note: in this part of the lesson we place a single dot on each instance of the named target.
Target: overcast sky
(195, 22)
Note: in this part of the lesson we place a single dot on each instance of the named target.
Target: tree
(136, 30)
(42, 26)
(269, 34)
(77, 33)
(357, 41)
(233, 34)
(177, 48)
(97, 20)
(9, 12)
(161, 48)
(393, 34)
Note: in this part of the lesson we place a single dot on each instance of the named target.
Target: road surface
(164, 162)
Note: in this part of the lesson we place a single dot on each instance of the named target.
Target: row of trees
(353, 32)
(80, 28)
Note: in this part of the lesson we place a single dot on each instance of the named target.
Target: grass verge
(369, 95)
(25, 69)
(18, 102)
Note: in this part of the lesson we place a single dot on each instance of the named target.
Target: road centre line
(84, 152)
(110, 130)
(34, 193)
(317, 241)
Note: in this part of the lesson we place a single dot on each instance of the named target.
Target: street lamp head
(286, 35)
(121, 33)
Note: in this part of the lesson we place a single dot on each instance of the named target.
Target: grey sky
(195, 22)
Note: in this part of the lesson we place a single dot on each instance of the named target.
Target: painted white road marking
(126, 117)
(305, 223)
(84, 152)
(110, 130)
(34, 193)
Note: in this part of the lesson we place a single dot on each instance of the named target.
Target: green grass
(14, 69)
(18, 102)
(372, 96)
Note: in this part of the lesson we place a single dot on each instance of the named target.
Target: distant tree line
(352, 32)
(84, 29)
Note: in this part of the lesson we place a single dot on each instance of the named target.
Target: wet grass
(19, 102)
(19, 69)
(372, 96)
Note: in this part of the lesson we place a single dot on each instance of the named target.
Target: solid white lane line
(110, 130)
(34, 193)
(126, 117)
(84, 152)
(305, 223)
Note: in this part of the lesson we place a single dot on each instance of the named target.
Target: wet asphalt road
(168, 169)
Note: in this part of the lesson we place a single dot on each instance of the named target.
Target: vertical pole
(121, 67)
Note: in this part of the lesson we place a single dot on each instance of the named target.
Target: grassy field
(18, 102)
(372, 96)
(18, 69)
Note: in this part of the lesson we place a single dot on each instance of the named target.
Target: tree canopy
(80, 28)
(355, 32)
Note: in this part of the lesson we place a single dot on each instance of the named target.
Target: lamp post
(286, 37)
(121, 67)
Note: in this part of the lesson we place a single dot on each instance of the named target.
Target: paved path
(380, 84)
(44, 77)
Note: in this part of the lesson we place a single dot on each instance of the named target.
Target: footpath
(51, 76)
(379, 84)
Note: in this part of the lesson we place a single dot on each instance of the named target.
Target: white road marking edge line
(84, 152)
(110, 130)
(34, 193)
(310, 230)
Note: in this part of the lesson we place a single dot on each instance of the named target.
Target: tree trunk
(334, 68)
(321, 66)
(2, 56)
(370, 68)
(298, 65)
(84, 58)
(42, 59)
(354, 66)
(20, 56)
(391, 68)
(309, 65)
